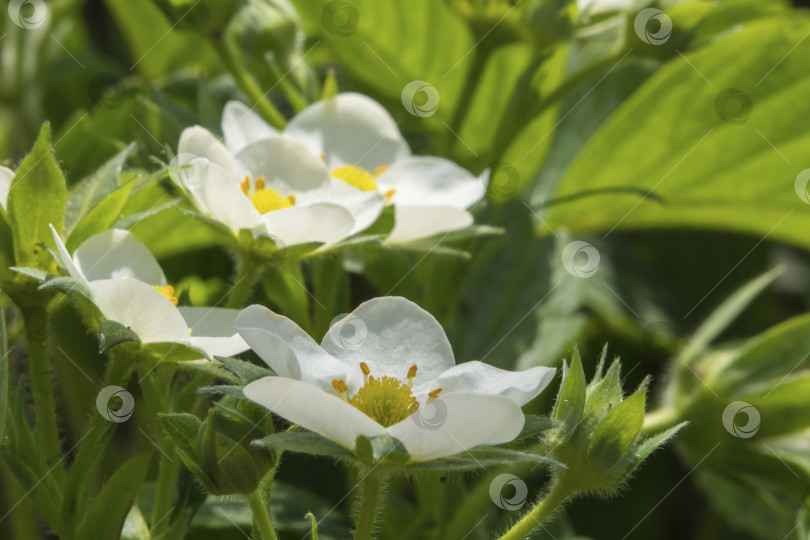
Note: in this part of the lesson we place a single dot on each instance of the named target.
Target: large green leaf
(713, 153)
(35, 200)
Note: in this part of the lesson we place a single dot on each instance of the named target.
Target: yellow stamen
(433, 394)
(411, 375)
(323, 157)
(340, 387)
(385, 400)
(379, 170)
(245, 185)
(389, 194)
(366, 372)
(259, 184)
(168, 292)
(265, 199)
(357, 177)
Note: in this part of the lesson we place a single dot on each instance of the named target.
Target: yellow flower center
(361, 178)
(265, 199)
(168, 292)
(386, 400)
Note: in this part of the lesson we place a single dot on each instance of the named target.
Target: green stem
(480, 56)
(247, 83)
(245, 278)
(261, 516)
(35, 319)
(537, 515)
(367, 513)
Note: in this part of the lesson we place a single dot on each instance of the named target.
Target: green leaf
(90, 191)
(650, 445)
(247, 371)
(227, 390)
(304, 442)
(725, 314)
(43, 489)
(782, 404)
(182, 429)
(618, 430)
(100, 217)
(708, 166)
(571, 399)
(113, 333)
(5, 374)
(36, 199)
(39, 275)
(106, 515)
(482, 457)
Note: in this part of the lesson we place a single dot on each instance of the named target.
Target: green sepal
(571, 400)
(246, 371)
(383, 449)
(36, 199)
(534, 425)
(112, 333)
(483, 457)
(303, 442)
(618, 430)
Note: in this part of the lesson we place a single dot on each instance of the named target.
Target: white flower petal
(67, 260)
(350, 129)
(287, 349)
(225, 201)
(419, 222)
(241, 126)
(391, 334)
(198, 141)
(480, 378)
(365, 206)
(287, 166)
(141, 308)
(319, 222)
(213, 330)
(454, 423)
(313, 409)
(117, 254)
(6, 176)
(427, 181)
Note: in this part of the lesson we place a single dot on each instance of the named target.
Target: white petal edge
(419, 222)
(350, 129)
(479, 378)
(365, 206)
(213, 331)
(288, 167)
(428, 181)
(67, 261)
(6, 177)
(391, 334)
(457, 422)
(312, 408)
(241, 126)
(288, 350)
(319, 222)
(117, 254)
(141, 308)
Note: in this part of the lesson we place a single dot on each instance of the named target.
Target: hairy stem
(541, 511)
(367, 513)
(261, 516)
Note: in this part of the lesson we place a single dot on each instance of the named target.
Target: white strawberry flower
(128, 286)
(386, 369)
(276, 189)
(364, 152)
